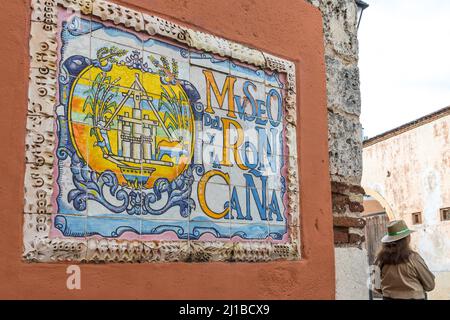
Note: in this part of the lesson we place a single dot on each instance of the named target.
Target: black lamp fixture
(361, 7)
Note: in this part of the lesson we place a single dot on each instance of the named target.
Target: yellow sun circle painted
(136, 124)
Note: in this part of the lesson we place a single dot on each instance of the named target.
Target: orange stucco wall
(290, 29)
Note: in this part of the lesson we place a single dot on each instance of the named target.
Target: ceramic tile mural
(155, 142)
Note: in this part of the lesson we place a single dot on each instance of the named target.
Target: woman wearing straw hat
(404, 274)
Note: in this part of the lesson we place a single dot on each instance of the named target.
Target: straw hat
(396, 230)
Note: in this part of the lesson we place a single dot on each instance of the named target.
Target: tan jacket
(408, 280)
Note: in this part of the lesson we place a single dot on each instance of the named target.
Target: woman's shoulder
(415, 257)
(415, 254)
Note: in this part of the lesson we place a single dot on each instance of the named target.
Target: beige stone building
(406, 174)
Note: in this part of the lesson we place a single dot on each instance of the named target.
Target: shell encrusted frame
(147, 141)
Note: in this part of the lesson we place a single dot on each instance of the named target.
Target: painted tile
(250, 98)
(109, 204)
(168, 137)
(211, 198)
(225, 160)
(105, 150)
(209, 231)
(239, 207)
(271, 167)
(72, 90)
(256, 152)
(264, 137)
(210, 61)
(169, 50)
(252, 73)
(69, 226)
(197, 159)
(213, 157)
(80, 109)
(73, 21)
(275, 79)
(274, 104)
(76, 56)
(108, 31)
(247, 223)
(72, 194)
(218, 129)
(123, 64)
(162, 229)
(168, 143)
(276, 208)
(165, 205)
(164, 70)
(114, 228)
(278, 232)
(76, 39)
(276, 181)
(249, 231)
(69, 171)
(248, 204)
(258, 196)
(211, 84)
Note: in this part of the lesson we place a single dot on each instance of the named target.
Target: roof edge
(407, 126)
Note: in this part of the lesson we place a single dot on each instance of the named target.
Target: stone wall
(345, 144)
(296, 30)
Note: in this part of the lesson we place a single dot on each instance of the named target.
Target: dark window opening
(445, 214)
(417, 218)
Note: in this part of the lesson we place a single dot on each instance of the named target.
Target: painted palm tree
(100, 101)
(172, 106)
(174, 109)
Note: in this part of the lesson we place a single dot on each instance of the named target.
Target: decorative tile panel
(151, 142)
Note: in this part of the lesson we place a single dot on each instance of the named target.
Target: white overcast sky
(404, 51)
